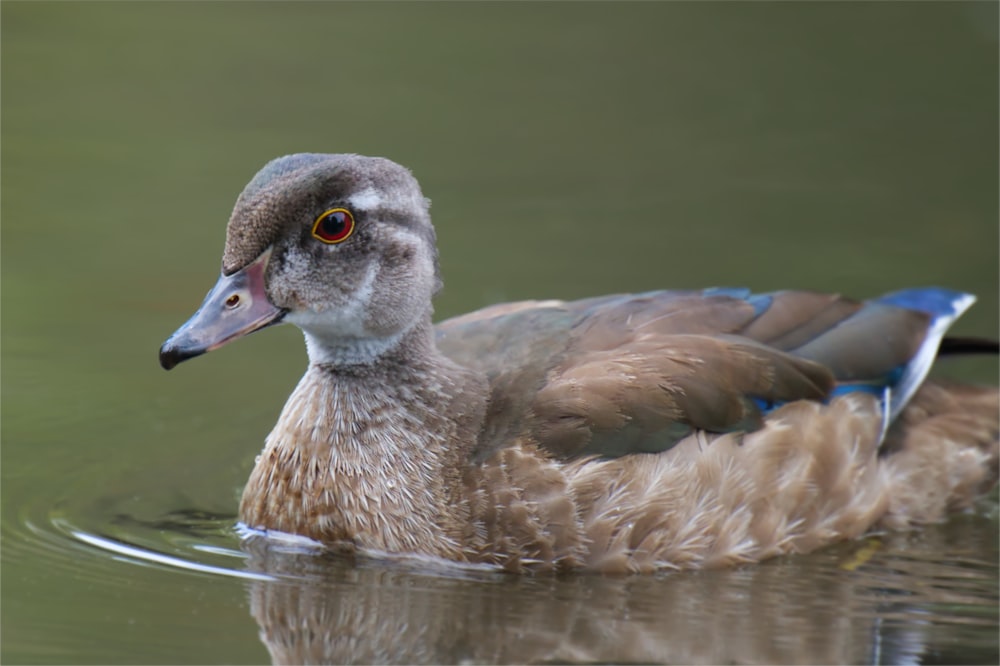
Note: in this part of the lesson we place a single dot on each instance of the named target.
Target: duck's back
(818, 381)
(635, 373)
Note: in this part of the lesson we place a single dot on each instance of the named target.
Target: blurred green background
(569, 149)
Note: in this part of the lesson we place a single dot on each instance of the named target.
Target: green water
(570, 150)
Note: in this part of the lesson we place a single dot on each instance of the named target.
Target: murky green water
(570, 150)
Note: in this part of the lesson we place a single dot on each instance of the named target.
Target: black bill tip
(170, 356)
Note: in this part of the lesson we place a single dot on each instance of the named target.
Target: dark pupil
(333, 224)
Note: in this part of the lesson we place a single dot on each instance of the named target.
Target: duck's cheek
(332, 311)
(293, 283)
(299, 285)
(402, 295)
(289, 298)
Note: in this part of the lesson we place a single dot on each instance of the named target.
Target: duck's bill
(236, 306)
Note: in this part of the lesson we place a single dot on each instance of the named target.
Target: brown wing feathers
(639, 373)
(795, 318)
(870, 344)
(623, 374)
(650, 393)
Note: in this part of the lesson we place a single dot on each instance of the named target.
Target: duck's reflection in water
(862, 602)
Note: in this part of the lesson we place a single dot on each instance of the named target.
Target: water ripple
(928, 594)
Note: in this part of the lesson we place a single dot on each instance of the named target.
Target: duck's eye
(334, 226)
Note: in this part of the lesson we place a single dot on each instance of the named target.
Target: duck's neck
(373, 454)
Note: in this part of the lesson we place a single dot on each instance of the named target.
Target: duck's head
(340, 245)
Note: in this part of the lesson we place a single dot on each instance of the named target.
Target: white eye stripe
(366, 199)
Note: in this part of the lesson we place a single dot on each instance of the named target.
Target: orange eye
(334, 226)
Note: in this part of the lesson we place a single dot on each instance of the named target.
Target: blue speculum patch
(934, 301)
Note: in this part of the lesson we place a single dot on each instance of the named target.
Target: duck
(627, 433)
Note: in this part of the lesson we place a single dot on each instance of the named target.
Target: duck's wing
(635, 373)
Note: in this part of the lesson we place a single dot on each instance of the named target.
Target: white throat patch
(346, 351)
